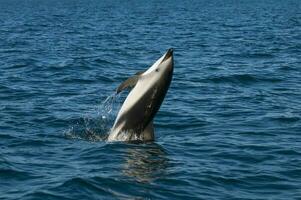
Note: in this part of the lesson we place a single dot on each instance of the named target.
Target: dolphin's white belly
(136, 93)
(142, 86)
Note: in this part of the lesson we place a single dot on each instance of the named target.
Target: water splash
(95, 124)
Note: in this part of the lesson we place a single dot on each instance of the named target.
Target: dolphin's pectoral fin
(148, 133)
(139, 73)
(130, 82)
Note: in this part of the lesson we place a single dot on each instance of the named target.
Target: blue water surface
(229, 127)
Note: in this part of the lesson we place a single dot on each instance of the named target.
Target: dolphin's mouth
(168, 54)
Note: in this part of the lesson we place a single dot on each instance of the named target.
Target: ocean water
(229, 127)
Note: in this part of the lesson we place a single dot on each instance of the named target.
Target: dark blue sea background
(229, 127)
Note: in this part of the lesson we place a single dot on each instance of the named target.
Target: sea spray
(95, 124)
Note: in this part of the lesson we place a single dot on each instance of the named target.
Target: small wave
(243, 158)
(102, 61)
(82, 182)
(242, 79)
(79, 187)
(250, 55)
(292, 173)
(29, 143)
(283, 117)
(44, 195)
(6, 136)
(260, 55)
(287, 152)
(287, 119)
(26, 63)
(77, 80)
(287, 68)
(13, 174)
(4, 88)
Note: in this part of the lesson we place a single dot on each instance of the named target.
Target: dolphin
(134, 121)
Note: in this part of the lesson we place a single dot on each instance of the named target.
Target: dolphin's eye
(157, 70)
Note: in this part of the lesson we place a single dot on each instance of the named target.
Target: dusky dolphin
(134, 121)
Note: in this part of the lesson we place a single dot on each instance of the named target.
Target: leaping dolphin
(134, 121)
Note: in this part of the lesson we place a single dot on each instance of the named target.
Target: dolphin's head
(162, 69)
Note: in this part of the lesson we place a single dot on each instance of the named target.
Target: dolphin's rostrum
(134, 121)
